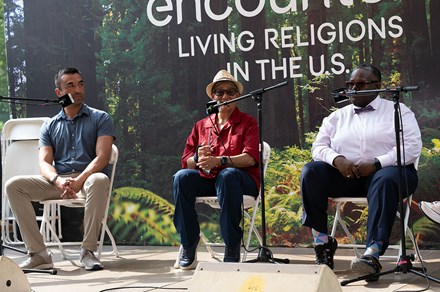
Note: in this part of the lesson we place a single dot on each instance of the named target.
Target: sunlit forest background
(151, 78)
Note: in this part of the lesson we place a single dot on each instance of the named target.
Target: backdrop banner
(148, 62)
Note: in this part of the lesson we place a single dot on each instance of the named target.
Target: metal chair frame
(363, 201)
(19, 157)
(51, 213)
(248, 202)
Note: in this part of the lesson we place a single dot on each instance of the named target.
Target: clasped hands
(350, 170)
(206, 160)
(70, 187)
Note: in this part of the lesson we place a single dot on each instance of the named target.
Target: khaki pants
(22, 190)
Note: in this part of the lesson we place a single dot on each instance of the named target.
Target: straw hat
(223, 75)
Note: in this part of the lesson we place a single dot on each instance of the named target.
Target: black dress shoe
(232, 254)
(188, 258)
(326, 252)
(366, 265)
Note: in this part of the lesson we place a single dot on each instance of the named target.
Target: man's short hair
(372, 69)
(67, 70)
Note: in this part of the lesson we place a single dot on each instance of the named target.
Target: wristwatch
(223, 160)
(377, 164)
(53, 179)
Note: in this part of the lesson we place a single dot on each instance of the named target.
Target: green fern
(138, 216)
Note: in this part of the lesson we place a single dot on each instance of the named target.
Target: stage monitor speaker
(259, 277)
(12, 278)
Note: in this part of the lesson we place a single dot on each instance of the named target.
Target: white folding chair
(363, 201)
(51, 213)
(19, 157)
(248, 202)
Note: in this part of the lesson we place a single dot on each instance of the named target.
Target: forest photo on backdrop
(148, 62)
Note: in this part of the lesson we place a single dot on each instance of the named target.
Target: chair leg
(339, 219)
(57, 210)
(407, 229)
(115, 250)
(208, 246)
(252, 230)
(176, 264)
(46, 223)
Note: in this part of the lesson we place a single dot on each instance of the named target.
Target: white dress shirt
(367, 135)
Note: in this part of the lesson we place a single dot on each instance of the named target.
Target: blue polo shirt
(74, 141)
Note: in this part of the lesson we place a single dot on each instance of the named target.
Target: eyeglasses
(359, 84)
(230, 92)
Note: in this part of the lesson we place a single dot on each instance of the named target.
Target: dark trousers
(229, 186)
(319, 181)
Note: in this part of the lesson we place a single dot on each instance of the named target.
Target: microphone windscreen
(339, 94)
(210, 107)
(65, 100)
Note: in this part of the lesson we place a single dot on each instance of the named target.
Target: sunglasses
(359, 84)
(230, 92)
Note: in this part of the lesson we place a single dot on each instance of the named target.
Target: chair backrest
(249, 201)
(266, 156)
(23, 129)
(112, 162)
(19, 153)
(20, 147)
(21, 158)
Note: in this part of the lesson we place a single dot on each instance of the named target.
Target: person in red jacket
(221, 158)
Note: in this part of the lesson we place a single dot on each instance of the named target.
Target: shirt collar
(374, 103)
(85, 110)
(233, 119)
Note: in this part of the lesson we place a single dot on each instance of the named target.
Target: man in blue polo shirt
(75, 148)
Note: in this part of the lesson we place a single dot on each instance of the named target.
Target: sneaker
(188, 258)
(232, 254)
(431, 210)
(89, 261)
(41, 260)
(366, 265)
(326, 252)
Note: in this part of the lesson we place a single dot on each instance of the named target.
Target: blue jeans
(229, 186)
(319, 181)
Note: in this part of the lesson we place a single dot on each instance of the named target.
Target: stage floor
(149, 267)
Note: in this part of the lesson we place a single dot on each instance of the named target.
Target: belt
(410, 166)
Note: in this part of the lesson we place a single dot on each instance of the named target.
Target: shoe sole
(40, 267)
(94, 268)
(190, 267)
(362, 268)
(426, 214)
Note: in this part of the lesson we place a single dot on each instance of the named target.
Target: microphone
(65, 100)
(402, 89)
(212, 107)
(340, 94)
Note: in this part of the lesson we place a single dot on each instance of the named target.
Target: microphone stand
(45, 100)
(64, 100)
(264, 254)
(2, 247)
(404, 264)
